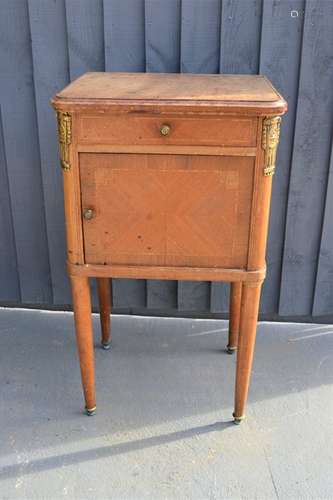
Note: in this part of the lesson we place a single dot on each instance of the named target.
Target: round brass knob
(88, 213)
(165, 129)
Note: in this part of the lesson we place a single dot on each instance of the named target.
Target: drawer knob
(88, 213)
(165, 129)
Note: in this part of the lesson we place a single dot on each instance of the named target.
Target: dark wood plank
(312, 145)
(124, 41)
(281, 45)
(200, 36)
(22, 153)
(194, 296)
(199, 54)
(162, 295)
(162, 35)
(129, 294)
(219, 297)
(323, 297)
(48, 36)
(124, 35)
(9, 279)
(240, 36)
(85, 36)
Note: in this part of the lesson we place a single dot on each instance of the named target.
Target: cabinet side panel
(262, 188)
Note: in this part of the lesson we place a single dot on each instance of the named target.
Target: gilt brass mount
(270, 141)
(65, 138)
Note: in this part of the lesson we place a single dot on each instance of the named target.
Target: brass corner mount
(65, 138)
(270, 141)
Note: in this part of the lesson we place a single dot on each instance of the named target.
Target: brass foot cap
(230, 350)
(238, 420)
(91, 411)
(106, 345)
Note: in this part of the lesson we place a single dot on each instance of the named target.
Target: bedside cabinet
(168, 176)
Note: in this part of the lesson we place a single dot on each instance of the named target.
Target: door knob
(88, 213)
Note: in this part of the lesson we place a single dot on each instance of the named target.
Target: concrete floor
(163, 427)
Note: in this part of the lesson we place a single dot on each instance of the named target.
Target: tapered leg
(246, 341)
(84, 338)
(234, 316)
(104, 297)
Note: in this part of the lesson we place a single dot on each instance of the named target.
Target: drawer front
(166, 210)
(152, 130)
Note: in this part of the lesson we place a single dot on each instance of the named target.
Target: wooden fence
(46, 43)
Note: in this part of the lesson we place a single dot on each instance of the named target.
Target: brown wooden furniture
(168, 177)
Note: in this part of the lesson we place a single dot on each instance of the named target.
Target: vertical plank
(162, 36)
(281, 45)
(200, 36)
(200, 53)
(240, 36)
(323, 298)
(162, 295)
(162, 55)
(10, 286)
(219, 297)
(124, 40)
(48, 36)
(129, 294)
(194, 296)
(124, 34)
(21, 145)
(310, 162)
(85, 36)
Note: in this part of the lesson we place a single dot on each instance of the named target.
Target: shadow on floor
(78, 457)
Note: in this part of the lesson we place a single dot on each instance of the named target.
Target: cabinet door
(166, 209)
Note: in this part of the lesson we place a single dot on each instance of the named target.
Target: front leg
(84, 338)
(246, 343)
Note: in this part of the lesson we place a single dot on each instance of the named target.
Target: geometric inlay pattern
(175, 210)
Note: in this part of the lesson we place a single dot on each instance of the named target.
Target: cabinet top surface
(173, 89)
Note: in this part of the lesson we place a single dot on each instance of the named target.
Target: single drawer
(156, 130)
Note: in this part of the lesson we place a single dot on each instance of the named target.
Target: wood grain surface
(167, 209)
(174, 87)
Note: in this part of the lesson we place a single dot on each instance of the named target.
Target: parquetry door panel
(175, 210)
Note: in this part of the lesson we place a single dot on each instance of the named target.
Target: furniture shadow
(87, 455)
